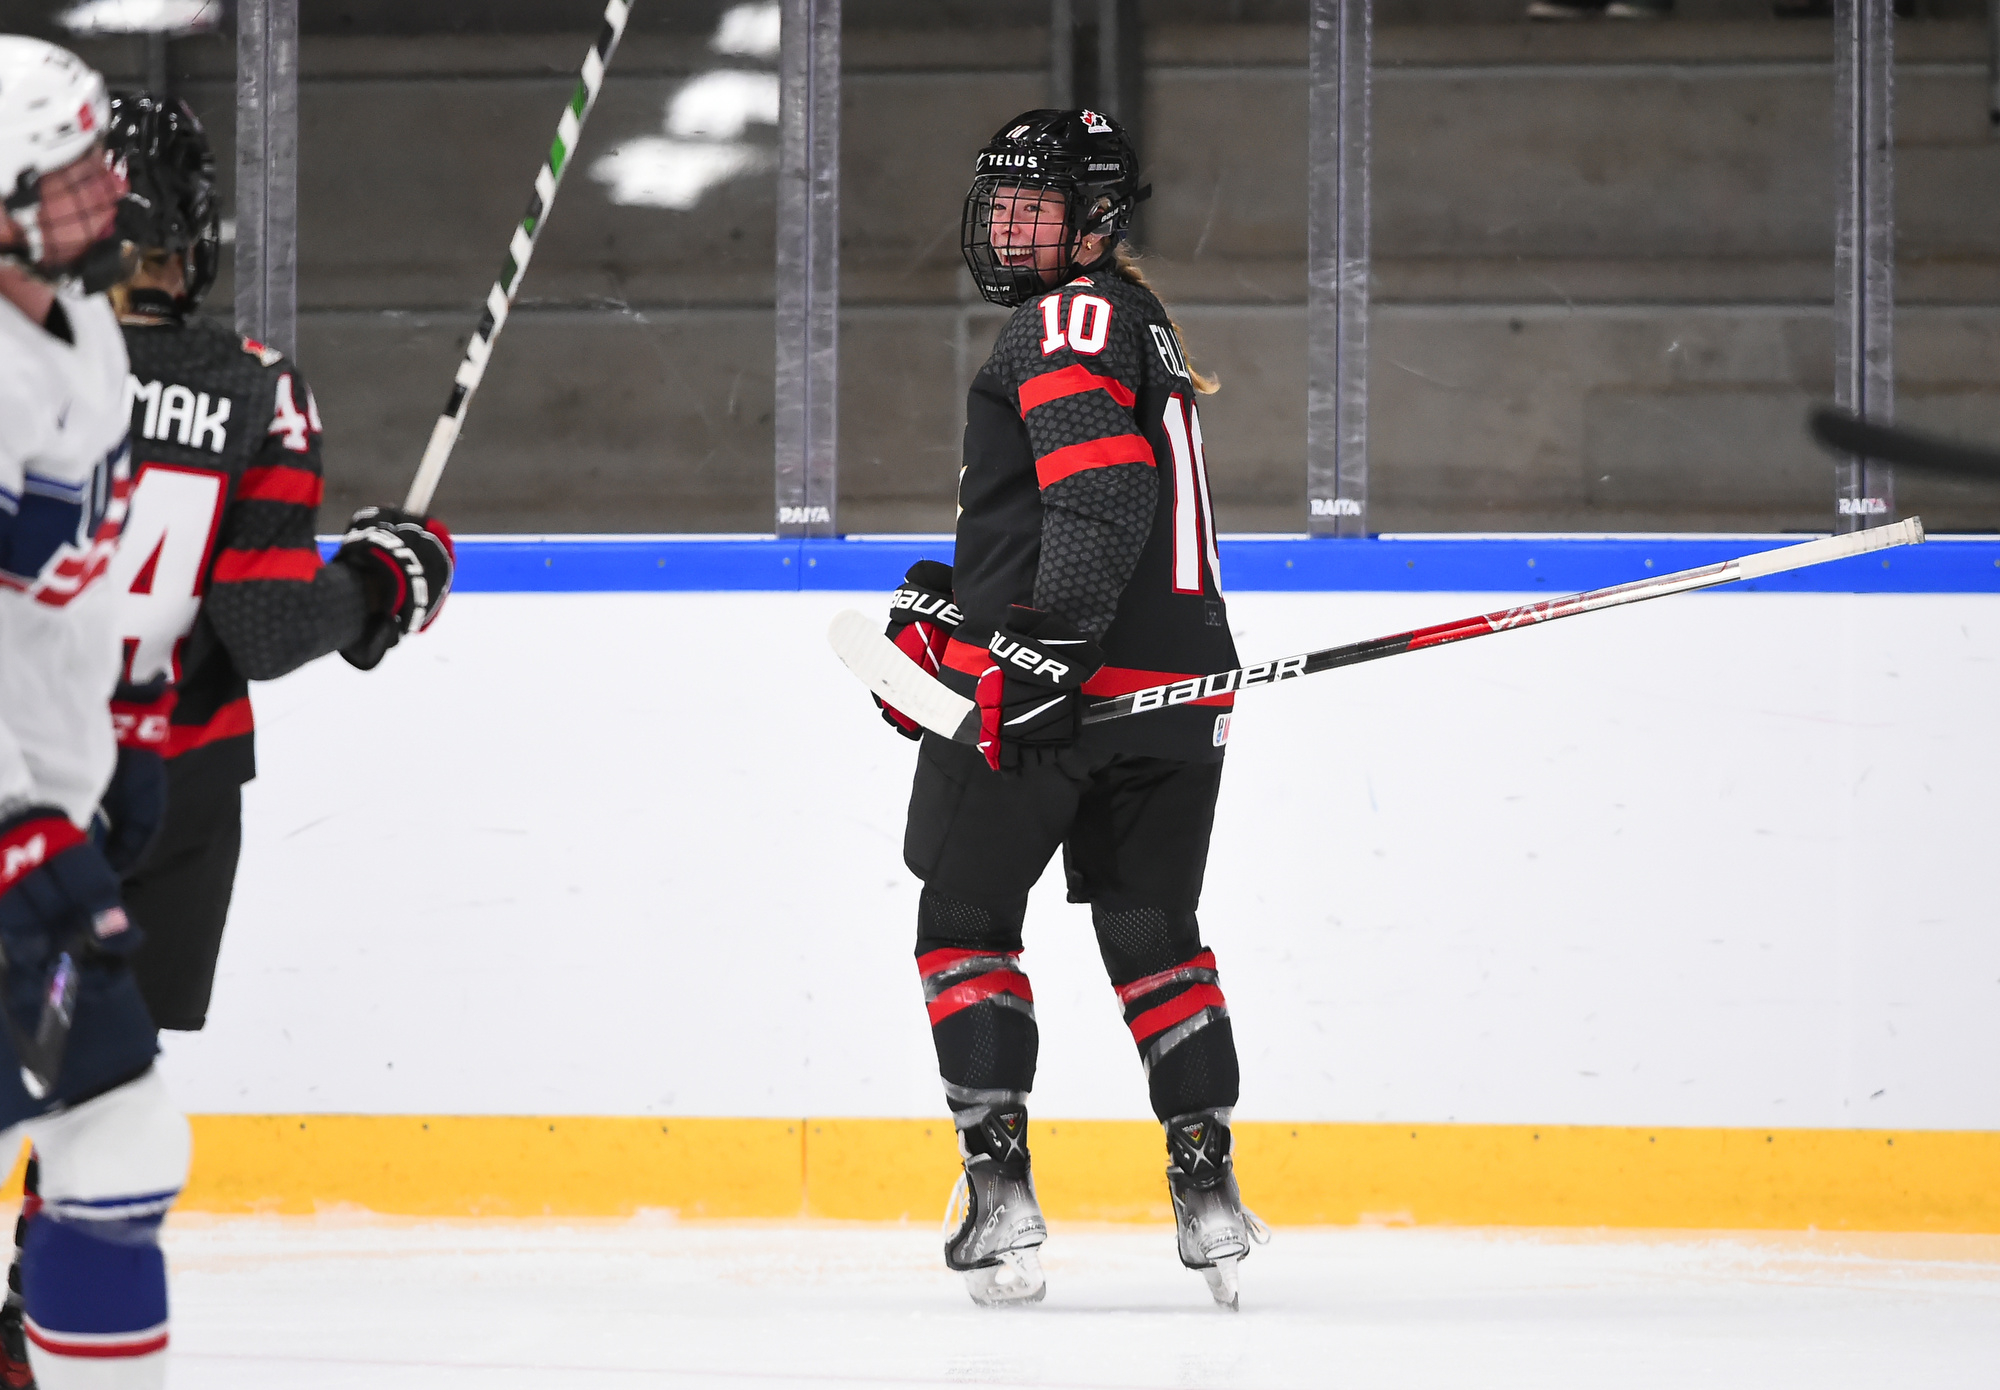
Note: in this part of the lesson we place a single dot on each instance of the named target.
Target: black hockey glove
(1031, 698)
(922, 619)
(135, 804)
(58, 907)
(405, 562)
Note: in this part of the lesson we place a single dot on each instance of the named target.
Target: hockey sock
(1167, 985)
(96, 1294)
(981, 1008)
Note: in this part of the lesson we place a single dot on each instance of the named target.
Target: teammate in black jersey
(1085, 567)
(218, 573)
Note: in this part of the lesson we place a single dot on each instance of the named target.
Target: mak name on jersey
(173, 412)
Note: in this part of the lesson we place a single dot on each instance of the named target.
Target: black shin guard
(981, 1009)
(1173, 1004)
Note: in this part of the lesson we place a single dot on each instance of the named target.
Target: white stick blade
(881, 666)
(1794, 557)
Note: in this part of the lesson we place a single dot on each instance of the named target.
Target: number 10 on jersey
(1194, 512)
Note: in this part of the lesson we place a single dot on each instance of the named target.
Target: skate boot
(1215, 1228)
(993, 1226)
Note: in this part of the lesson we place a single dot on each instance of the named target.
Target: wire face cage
(1019, 234)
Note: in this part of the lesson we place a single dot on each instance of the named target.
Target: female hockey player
(1085, 567)
(218, 579)
(76, 1051)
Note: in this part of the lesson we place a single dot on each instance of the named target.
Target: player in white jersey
(76, 1052)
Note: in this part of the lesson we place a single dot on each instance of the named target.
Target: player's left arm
(271, 601)
(1099, 480)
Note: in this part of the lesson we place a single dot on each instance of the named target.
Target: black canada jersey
(218, 576)
(1085, 493)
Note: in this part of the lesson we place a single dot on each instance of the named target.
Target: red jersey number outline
(169, 541)
(1089, 325)
(1194, 512)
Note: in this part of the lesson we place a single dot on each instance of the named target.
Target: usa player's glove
(922, 619)
(1031, 698)
(405, 562)
(58, 907)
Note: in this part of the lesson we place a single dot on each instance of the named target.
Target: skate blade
(1016, 1280)
(1221, 1277)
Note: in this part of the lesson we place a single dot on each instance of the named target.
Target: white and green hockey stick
(500, 299)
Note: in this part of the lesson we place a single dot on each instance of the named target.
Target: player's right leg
(979, 841)
(94, 1283)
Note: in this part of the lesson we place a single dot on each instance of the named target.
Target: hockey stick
(1848, 434)
(884, 669)
(500, 299)
(41, 1056)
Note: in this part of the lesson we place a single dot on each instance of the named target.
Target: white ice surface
(315, 1303)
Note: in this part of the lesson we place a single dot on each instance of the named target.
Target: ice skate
(1214, 1228)
(993, 1225)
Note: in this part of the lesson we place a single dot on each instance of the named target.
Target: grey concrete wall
(1603, 266)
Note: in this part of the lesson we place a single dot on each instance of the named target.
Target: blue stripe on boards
(1459, 564)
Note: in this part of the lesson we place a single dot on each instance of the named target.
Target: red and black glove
(405, 562)
(922, 618)
(1031, 697)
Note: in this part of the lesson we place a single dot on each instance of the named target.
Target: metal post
(267, 171)
(1109, 89)
(1864, 252)
(808, 266)
(1993, 66)
(1337, 269)
(1062, 54)
(158, 74)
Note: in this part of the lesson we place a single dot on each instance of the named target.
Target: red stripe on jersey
(239, 566)
(279, 484)
(1052, 468)
(963, 656)
(1176, 1010)
(1123, 680)
(1138, 989)
(978, 990)
(233, 720)
(1070, 381)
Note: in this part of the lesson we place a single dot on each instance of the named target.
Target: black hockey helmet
(171, 170)
(1081, 157)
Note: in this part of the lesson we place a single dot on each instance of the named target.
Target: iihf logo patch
(1095, 123)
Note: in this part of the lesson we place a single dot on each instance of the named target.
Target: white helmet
(53, 108)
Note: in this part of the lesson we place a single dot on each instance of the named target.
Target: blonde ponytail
(1125, 262)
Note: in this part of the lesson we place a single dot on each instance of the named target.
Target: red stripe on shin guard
(1139, 989)
(977, 991)
(1175, 1010)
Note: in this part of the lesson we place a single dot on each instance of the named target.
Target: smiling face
(1030, 230)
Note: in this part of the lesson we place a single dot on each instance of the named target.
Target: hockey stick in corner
(1844, 433)
(500, 299)
(884, 669)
